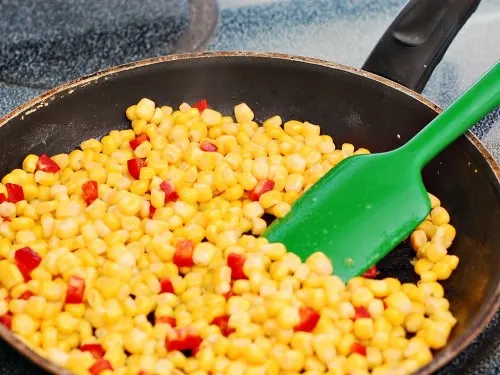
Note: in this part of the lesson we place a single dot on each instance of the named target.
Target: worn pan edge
(442, 358)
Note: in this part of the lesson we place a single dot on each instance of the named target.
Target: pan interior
(347, 106)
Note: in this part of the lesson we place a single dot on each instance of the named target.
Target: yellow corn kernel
(29, 163)
(66, 323)
(22, 223)
(130, 204)
(435, 252)
(318, 262)
(394, 316)
(35, 307)
(413, 322)
(399, 301)
(440, 216)
(243, 113)
(24, 325)
(270, 198)
(49, 337)
(211, 117)
(451, 260)
(442, 270)
(428, 227)
(145, 109)
(10, 276)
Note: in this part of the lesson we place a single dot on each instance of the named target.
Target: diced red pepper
(26, 295)
(371, 272)
(208, 146)
(152, 210)
(27, 260)
(6, 320)
(142, 372)
(229, 294)
(358, 348)
(7, 219)
(222, 323)
(99, 366)
(183, 338)
(166, 286)
(90, 191)
(166, 319)
(361, 312)
(261, 188)
(308, 319)
(3, 198)
(170, 193)
(76, 289)
(134, 167)
(235, 262)
(183, 256)
(134, 143)
(201, 105)
(46, 164)
(15, 193)
(96, 350)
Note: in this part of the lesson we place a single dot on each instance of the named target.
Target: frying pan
(352, 105)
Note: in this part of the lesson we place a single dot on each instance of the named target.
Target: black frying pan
(350, 104)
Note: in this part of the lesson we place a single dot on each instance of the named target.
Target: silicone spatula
(365, 206)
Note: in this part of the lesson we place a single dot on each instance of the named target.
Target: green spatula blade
(361, 209)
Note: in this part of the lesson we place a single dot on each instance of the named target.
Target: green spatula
(365, 206)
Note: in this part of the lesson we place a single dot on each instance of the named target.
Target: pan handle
(416, 41)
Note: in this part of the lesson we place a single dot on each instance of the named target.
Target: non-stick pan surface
(351, 105)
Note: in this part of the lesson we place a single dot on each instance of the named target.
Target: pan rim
(443, 357)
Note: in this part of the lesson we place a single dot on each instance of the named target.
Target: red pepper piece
(134, 167)
(90, 191)
(361, 312)
(183, 338)
(358, 348)
(27, 260)
(134, 143)
(208, 146)
(166, 319)
(170, 193)
(308, 319)
(166, 286)
(3, 198)
(6, 320)
(261, 188)
(371, 273)
(99, 366)
(15, 193)
(236, 262)
(7, 219)
(222, 323)
(152, 210)
(229, 294)
(76, 288)
(96, 350)
(46, 164)
(183, 256)
(201, 105)
(142, 372)
(26, 295)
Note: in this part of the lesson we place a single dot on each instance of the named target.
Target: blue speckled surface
(343, 31)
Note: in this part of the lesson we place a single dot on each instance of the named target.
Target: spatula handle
(475, 103)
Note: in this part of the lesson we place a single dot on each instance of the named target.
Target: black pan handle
(416, 41)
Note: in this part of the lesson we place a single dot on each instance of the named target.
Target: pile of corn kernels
(140, 254)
